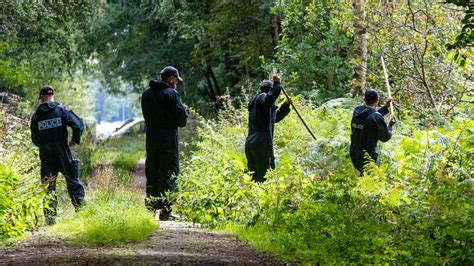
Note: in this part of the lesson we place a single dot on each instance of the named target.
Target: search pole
(296, 110)
(388, 84)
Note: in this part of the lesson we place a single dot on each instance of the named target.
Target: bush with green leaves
(315, 45)
(415, 207)
(21, 195)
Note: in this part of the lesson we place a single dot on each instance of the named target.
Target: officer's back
(260, 114)
(263, 112)
(367, 128)
(49, 125)
(51, 129)
(162, 108)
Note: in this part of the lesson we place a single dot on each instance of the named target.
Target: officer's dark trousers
(359, 160)
(258, 161)
(162, 164)
(57, 157)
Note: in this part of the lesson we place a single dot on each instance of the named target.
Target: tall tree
(413, 37)
(313, 53)
(360, 48)
(39, 40)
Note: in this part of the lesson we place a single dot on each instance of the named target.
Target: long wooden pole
(296, 111)
(388, 84)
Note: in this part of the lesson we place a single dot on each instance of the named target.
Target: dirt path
(173, 243)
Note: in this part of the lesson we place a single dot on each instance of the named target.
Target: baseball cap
(171, 71)
(46, 90)
(266, 84)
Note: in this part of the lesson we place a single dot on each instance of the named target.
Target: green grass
(110, 217)
(115, 212)
(127, 161)
(20, 192)
(121, 153)
(263, 239)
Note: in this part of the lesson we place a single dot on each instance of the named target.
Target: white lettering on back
(50, 123)
(358, 126)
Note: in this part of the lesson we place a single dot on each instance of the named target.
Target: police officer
(49, 132)
(163, 113)
(263, 114)
(368, 127)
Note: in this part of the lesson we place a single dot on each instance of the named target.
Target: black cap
(171, 71)
(266, 84)
(46, 90)
(371, 96)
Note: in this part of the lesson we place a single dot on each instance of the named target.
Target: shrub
(21, 196)
(415, 207)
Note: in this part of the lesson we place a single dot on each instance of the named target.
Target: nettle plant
(413, 207)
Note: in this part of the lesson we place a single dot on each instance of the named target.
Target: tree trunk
(360, 48)
(213, 77)
(277, 24)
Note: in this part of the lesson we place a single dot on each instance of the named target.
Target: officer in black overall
(368, 127)
(263, 114)
(163, 113)
(49, 132)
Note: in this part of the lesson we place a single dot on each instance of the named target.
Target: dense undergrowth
(417, 207)
(20, 192)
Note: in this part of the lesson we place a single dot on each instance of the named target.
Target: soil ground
(173, 243)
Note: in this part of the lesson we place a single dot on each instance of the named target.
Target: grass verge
(280, 243)
(262, 239)
(114, 213)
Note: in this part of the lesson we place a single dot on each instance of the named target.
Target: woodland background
(100, 55)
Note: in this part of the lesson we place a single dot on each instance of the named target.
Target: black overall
(49, 132)
(263, 114)
(368, 127)
(163, 113)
